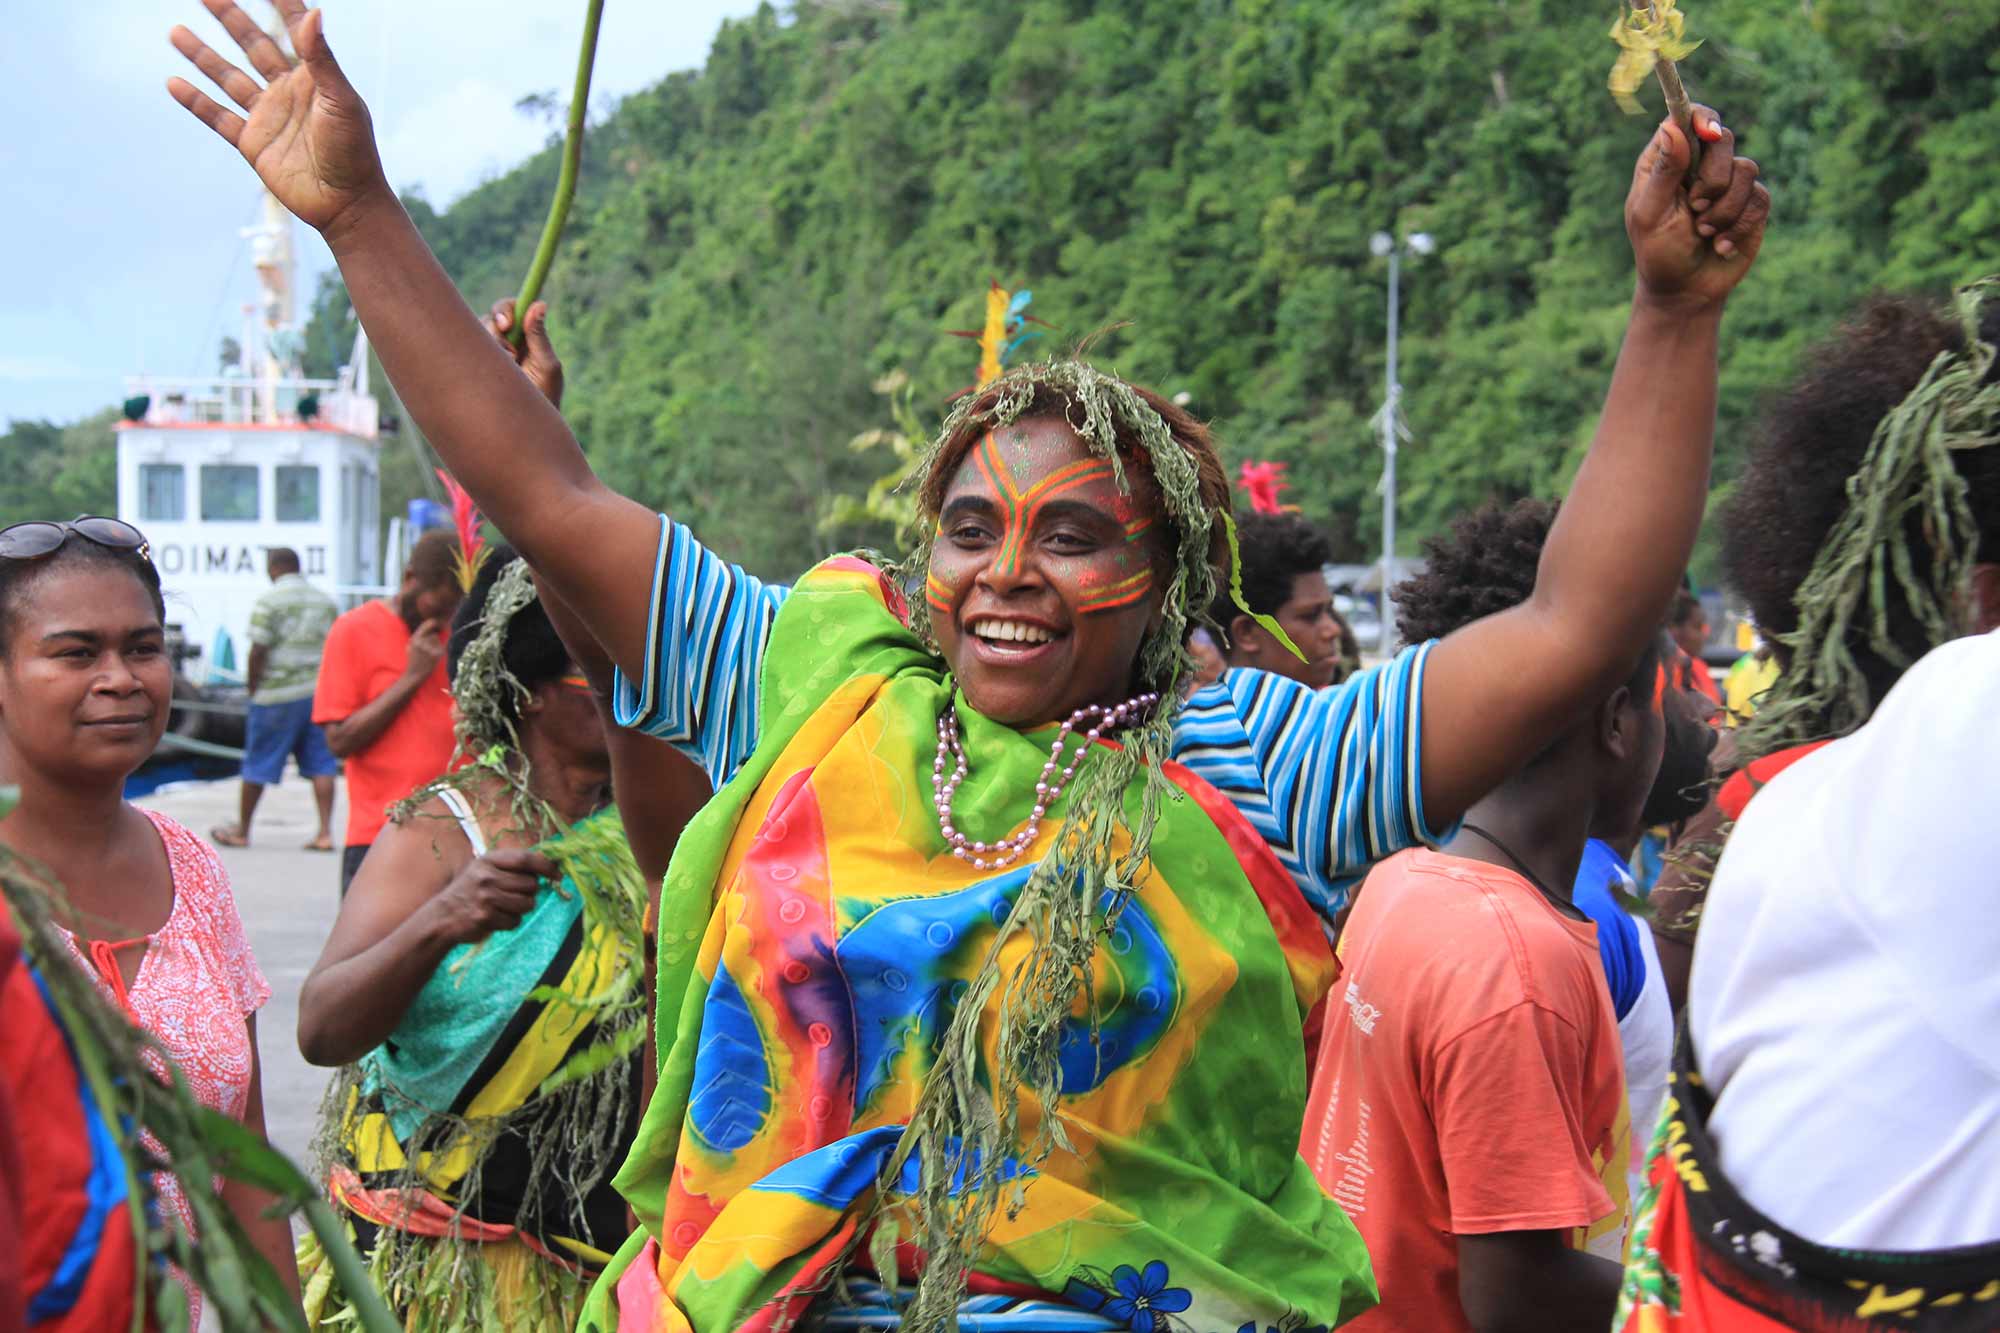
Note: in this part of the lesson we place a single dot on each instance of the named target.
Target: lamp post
(1385, 246)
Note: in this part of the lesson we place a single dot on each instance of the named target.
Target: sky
(120, 233)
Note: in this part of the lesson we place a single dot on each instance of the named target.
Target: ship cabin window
(229, 493)
(298, 494)
(162, 493)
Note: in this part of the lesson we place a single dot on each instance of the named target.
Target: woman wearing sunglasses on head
(85, 685)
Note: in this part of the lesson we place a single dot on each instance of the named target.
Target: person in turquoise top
(483, 990)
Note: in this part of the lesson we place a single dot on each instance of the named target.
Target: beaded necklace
(1047, 788)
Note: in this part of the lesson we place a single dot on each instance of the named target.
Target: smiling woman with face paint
(85, 686)
(983, 964)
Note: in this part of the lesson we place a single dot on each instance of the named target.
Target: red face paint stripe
(1122, 593)
(1048, 488)
(936, 593)
(1137, 528)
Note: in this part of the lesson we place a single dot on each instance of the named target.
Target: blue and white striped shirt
(1329, 778)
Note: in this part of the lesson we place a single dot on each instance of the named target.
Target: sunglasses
(38, 539)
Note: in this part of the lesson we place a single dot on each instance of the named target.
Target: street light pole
(1385, 245)
(1391, 408)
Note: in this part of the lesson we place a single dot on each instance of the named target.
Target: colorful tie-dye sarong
(814, 936)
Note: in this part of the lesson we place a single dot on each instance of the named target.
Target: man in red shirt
(382, 696)
(1468, 1109)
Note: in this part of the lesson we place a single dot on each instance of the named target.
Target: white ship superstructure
(217, 470)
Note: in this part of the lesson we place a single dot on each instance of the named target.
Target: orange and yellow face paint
(1019, 510)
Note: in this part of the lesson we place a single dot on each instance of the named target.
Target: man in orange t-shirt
(382, 695)
(1468, 1109)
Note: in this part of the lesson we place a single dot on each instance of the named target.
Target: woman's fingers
(242, 89)
(309, 36)
(1712, 177)
(1656, 178)
(207, 110)
(265, 56)
(502, 317)
(536, 325)
(1722, 214)
(523, 861)
(1746, 237)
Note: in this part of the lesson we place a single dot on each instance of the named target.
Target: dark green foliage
(754, 244)
(57, 472)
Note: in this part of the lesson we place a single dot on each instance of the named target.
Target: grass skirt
(450, 1285)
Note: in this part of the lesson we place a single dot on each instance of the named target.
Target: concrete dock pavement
(287, 897)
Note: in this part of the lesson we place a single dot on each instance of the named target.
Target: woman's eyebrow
(973, 504)
(1076, 510)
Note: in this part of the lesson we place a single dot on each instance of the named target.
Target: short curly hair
(1486, 563)
(1793, 488)
(1275, 549)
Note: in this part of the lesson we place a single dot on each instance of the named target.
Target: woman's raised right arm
(308, 136)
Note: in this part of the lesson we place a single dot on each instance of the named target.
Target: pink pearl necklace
(1008, 850)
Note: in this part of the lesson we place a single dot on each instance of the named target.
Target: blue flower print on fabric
(1141, 1300)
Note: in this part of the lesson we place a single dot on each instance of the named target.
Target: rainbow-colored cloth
(814, 935)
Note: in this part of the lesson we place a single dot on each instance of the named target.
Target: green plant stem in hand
(572, 162)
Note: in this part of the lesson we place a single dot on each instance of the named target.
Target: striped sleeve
(707, 625)
(1330, 778)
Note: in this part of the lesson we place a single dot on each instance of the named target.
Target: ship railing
(153, 400)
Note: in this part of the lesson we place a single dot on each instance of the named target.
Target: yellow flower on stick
(1651, 36)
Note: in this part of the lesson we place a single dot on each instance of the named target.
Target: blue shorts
(278, 730)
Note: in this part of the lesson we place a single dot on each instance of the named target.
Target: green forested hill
(757, 241)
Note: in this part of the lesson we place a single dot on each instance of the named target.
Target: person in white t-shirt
(1845, 1001)
(1830, 1155)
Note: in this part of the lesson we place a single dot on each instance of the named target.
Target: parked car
(1361, 617)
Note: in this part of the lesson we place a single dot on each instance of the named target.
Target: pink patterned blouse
(195, 986)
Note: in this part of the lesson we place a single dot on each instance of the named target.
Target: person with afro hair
(1793, 491)
(1283, 559)
(1491, 557)
(1790, 499)
(1837, 1099)
(1478, 1035)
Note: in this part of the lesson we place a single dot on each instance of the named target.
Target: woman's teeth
(1012, 631)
